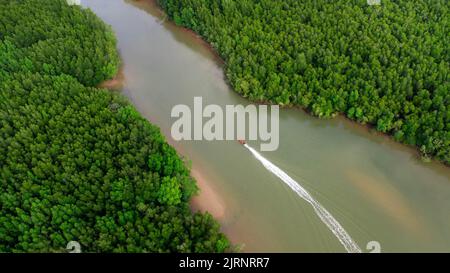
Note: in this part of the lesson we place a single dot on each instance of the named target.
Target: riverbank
(116, 83)
(161, 14)
(207, 200)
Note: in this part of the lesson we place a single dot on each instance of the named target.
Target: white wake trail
(323, 214)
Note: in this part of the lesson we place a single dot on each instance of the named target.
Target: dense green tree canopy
(77, 162)
(385, 65)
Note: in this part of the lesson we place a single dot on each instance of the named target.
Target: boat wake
(323, 214)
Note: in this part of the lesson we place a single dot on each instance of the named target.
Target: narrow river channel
(377, 190)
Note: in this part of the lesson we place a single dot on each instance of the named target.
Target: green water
(377, 189)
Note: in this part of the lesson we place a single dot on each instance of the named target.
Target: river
(377, 190)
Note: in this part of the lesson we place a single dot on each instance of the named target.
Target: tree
(80, 163)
